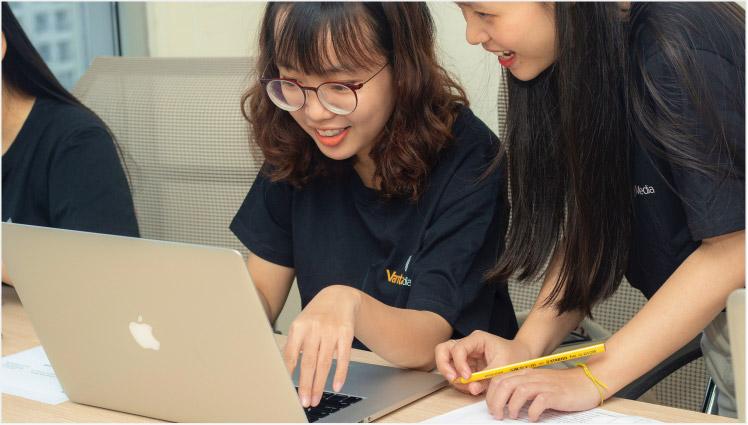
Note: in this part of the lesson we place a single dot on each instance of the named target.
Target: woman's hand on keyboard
(322, 330)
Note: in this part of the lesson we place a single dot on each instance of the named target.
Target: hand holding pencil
(467, 366)
(478, 351)
(538, 362)
(473, 358)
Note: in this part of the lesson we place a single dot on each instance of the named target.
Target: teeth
(329, 133)
(506, 53)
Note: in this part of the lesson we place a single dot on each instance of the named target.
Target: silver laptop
(173, 331)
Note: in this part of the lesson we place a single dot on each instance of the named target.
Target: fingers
(443, 357)
(473, 388)
(324, 361)
(566, 390)
(469, 351)
(344, 355)
(306, 373)
(479, 387)
(500, 390)
(515, 391)
(523, 393)
(317, 347)
(496, 397)
(540, 404)
(459, 358)
(291, 350)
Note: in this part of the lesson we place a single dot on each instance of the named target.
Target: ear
(4, 46)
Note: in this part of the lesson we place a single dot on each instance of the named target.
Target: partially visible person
(371, 194)
(626, 134)
(60, 164)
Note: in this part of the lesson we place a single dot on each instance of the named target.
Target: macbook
(174, 331)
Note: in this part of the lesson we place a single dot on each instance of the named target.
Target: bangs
(323, 38)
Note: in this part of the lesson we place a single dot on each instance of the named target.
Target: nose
(314, 110)
(474, 33)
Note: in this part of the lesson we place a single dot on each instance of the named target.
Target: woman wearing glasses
(372, 193)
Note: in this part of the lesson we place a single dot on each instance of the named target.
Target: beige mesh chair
(684, 388)
(184, 142)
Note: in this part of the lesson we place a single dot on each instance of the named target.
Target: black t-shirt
(430, 255)
(674, 207)
(62, 171)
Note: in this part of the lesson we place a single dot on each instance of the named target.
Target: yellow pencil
(540, 361)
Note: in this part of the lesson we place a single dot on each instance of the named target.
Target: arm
(661, 327)
(378, 324)
(88, 189)
(719, 264)
(544, 329)
(328, 323)
(273, 283)
(460, 238)
(540, 334)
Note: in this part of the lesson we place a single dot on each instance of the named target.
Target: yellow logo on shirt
(397, 279)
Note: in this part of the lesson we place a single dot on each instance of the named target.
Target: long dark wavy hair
(570, 131)
(427, 98)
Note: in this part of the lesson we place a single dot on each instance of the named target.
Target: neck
(16, 108)
(365, 168)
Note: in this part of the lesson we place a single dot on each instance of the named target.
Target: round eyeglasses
(338, 98)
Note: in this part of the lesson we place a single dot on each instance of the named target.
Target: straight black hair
(570, 131)
(24, 69)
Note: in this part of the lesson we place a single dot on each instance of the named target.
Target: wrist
(602, 389)
(345, 295)
(529, 346)
(603, 368)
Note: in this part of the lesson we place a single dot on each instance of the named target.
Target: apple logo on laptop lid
(143, 334)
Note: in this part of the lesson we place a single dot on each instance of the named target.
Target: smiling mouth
(330, 133)
(331, 137)
(505, 54)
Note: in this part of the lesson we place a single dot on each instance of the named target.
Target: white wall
(177, 29)
(230, 29)
(206, 29)
(476, 69)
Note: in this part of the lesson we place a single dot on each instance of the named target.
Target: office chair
(184, 143)
(679, 381)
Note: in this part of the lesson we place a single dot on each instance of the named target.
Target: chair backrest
(183, 141)
(685, 387)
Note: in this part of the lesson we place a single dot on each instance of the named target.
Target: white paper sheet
(477, 413)
(28, 374)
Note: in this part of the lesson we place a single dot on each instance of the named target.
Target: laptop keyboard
(329, 404)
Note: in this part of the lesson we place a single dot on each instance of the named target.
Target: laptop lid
(171, 331)
(160, 329)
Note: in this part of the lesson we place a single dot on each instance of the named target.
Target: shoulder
(661, 30)
(272, 190)
(71, 124)
(466, 124)
(465, 165)
(471, 136)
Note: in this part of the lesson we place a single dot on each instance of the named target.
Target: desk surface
(18, 334)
